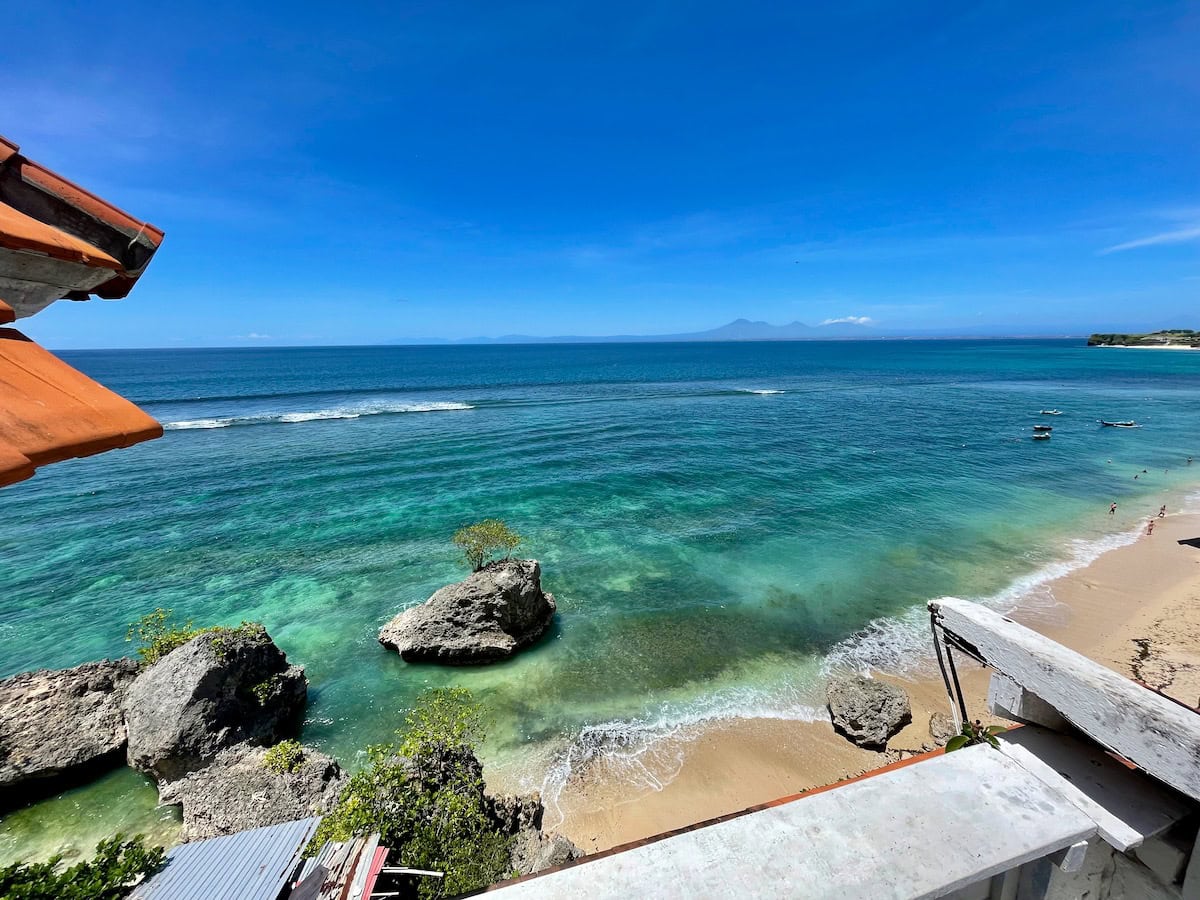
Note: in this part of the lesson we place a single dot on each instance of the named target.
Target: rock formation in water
(60, 727)
(490, 615)
(238, 792)
(222, 688)
(867, 711)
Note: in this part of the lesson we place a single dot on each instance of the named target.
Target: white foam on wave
(197, 423)
(646, 754)
(340, 412)
(902, 644)
(763, 392)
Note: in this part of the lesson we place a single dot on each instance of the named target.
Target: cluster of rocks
(870, 713)
(197, 722)
(488, 616)
(201, 719)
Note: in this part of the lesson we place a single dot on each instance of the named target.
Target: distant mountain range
(737, 330)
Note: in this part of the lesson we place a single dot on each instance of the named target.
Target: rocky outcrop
(535, 852)
(488, 616)
(941, 728)
(225, 687)
(532, 851)
(60, 727)
(867, 711)
(238, 792)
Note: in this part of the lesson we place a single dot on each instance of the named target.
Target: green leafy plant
(284, 758)
(115, 870)
(424, 795)
(158, 633)
(975, 733)
(479, 542)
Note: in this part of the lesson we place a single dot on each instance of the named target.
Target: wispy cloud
(1178, 236)
(850, 320)
(252, 336)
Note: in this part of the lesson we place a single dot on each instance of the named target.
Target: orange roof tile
(6, 313)
(21, 232)
(53, 412)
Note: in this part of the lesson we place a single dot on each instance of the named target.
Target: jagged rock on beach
(941, 728)
(532, 851)
(490, 615)
(58, 727)
(220, 689)
(867, 711)
(238, 792)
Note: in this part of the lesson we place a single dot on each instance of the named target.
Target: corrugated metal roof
(249, 865)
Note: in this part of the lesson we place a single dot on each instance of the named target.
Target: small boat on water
(1051, 412)
(1120, 424)
(1043, 427)
(1041, 435)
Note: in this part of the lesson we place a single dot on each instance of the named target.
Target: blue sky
(369, 172)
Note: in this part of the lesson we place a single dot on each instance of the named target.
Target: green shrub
(480, 541)
(424, 795)
(110, 875)
(284, 757)
(158, 634)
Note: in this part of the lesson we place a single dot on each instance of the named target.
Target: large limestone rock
(867, 711)
(532, 850)
(59, 727)
(238, 792)
(488, 616)
(220, 689)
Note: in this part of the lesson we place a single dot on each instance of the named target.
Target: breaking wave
(759, 392)
(341, 412)
(902, 644)
(647, 754)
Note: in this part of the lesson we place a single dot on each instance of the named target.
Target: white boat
(1041, 435)
(1051, 412)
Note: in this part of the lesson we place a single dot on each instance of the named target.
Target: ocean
(721, 524)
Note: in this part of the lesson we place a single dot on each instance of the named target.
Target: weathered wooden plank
(1161, 737)
(1127, 807)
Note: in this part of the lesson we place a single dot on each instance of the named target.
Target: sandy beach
(1135, 609)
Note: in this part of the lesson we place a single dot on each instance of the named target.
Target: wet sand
(1135, 609)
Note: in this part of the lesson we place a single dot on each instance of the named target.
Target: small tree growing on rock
(479, 542)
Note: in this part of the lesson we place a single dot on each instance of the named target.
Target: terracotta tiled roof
(21, 232)
(71, 224)
(51, 412)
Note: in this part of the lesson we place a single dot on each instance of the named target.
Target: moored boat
(1043, 427)
(1120, 424)
(1051, 412)
(1041, 435)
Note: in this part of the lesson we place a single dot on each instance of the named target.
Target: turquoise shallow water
(713, 547)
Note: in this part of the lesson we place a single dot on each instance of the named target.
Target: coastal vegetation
(1150, 339)
(111, 874)
(481, 541)
(158, 633)
(423, 794)
(284, 758)
(975, 733)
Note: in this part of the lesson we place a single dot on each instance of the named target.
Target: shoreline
(1134, 608)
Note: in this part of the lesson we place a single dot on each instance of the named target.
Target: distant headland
(1168, 339)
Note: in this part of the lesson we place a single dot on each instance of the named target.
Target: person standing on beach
(1150, 527)
(1112, 509)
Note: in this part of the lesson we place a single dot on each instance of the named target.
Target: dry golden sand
(1135, 609)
